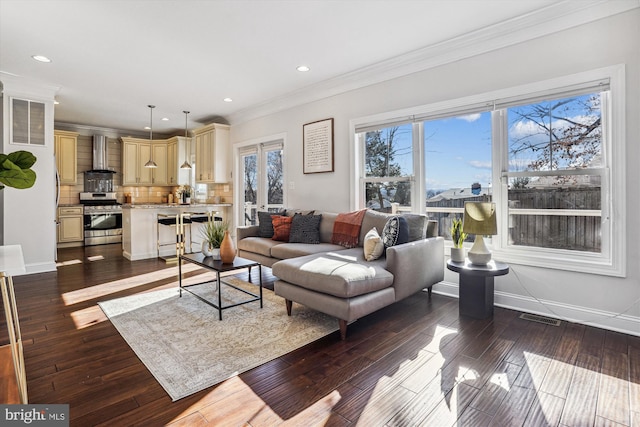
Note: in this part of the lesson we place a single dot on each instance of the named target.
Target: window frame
(611, 260)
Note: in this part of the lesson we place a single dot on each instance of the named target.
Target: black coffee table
(219, 267)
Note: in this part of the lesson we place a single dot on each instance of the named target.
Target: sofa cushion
(281, 227)
(372, 219)
(395, 232)
(305, 229)
(292, 250)
(265, 226)
(258, 245)
(373, 246)
(344, 274)
(326, 226)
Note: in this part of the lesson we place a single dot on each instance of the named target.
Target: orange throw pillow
(281, 227)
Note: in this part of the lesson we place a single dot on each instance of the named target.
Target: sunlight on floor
(93, 315)
(88, 317)
(421, 374)
(78, 261)
(70, 262)
(104, 289)
(235, 403)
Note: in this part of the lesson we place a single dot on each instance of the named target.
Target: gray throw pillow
(305, 229)
(395, 232)
(265, 226)
(417, 226)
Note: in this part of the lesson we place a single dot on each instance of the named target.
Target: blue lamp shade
(479, 219)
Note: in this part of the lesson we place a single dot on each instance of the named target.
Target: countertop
(171, 205)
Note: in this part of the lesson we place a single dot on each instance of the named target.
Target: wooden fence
(546, 217)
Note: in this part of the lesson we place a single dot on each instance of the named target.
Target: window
(457, 159)
(555, 173)
(261, 169)
(388, 168)
(549, 154)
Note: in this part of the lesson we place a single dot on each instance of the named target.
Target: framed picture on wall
(317, 152)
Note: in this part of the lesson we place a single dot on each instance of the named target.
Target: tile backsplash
(70, 194)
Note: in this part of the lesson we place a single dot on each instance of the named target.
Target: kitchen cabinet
(212, 154)
(178, 149)
(135, 153)
(159, 174)
(66, 151)
(70, 224)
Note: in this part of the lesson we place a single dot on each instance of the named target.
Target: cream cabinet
(66, 151)
(212, 154)
(70, 224)
(178, 149)
(172, 161)
(159, 174)
(136, 153)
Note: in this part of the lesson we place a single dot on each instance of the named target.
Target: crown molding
(551, 19)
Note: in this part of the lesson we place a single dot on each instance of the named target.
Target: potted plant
(15, 170)
(457, 237)
(186, 194)
(213, 233)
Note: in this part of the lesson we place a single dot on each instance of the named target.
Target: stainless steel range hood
(100, 154)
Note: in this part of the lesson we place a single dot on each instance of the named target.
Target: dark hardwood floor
(414, 363)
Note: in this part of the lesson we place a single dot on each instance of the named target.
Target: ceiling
(111, 58)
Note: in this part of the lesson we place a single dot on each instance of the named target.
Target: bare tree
(559, 138)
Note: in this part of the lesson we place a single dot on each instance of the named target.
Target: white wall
(599, 300)
(28, 215)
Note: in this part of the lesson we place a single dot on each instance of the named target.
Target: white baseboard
(42, 267)
(570, 313)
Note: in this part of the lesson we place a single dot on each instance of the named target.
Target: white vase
(207, 250)
(457, 254)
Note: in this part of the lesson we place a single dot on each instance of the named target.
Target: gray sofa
(341, 282)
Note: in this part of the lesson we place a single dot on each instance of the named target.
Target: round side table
(475, 287)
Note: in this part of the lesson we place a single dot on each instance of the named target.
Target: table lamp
(479, 219)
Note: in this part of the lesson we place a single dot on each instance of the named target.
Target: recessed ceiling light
(41, 58)
(147, 128)
(165, 119)
(56, 102)
(303, 68)
(228, 100)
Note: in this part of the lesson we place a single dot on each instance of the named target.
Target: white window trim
(611, 261)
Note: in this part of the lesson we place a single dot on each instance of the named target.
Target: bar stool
(201, 218)
(182, 222)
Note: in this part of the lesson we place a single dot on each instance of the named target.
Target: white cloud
(479, 164)
(470, 117)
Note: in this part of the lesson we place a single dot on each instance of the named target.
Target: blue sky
(457, 153)
(458, 149)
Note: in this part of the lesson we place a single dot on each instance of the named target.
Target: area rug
(187, 349)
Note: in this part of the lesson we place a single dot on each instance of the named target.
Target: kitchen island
(140, 230)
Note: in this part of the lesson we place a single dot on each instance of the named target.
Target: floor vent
(540, 319)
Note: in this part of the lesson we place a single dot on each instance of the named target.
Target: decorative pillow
(281, 227)
(373, 246)
(417, 226)
(395, 232)
(305, 229)
(265, 226)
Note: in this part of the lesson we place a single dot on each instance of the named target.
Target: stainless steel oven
(102, 218)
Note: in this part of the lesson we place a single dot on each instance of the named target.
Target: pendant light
(187, 143)
(151, 163)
